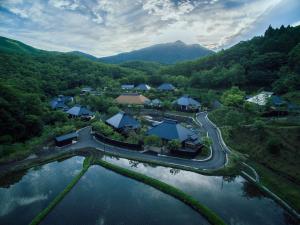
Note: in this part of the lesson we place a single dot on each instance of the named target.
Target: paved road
(217, 160)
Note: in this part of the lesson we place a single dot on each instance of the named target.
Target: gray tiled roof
(143, 87)
(122, 120)
(170, 130)
(187, 101)
(78, 110)
(166, 87)
(66, 136)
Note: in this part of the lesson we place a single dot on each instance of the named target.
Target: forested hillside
(271, 61)
(29, 77)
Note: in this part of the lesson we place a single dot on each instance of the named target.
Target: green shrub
(174, 144)
(112, 110)
(152, 140)
(274, 146)
(64, 129)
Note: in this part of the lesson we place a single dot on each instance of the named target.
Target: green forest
(29, 77)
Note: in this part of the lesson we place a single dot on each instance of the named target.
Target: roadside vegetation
(270, 144)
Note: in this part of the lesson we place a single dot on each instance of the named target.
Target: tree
(206, 141)
(234, 118)
(233, 97)
(236, 74)
(152, 140)
(167, 105)
(274, 146)
(174, 144)
(112, 110)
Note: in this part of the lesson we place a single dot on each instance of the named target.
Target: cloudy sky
(107, 27)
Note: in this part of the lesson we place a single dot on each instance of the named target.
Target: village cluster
(185, 140)
(167, 130)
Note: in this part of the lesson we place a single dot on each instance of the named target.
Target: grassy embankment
(60, 196)
(168, 189)
(277, 164)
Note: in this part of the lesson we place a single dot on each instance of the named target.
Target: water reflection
(105, 197)
(236, 200)
(26, 193)
(250, 191)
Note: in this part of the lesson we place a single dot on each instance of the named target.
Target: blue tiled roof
(66, 136)
(166, 87)
(170, 130)
(59, 103)
(79, 111)
(187, 101)
(277, 100)
(143, 87)
(122, 120)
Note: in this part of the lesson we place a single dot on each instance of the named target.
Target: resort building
(260, 99)
(123, 122)
(66, 139)
(86, 90)
(127, 86)
(80, 111)
(60, 102)
(143, 87)
(166, 87)
(132, 99)
(172, 130)
(186, 103)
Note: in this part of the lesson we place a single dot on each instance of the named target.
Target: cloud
(12, 202)
(106, 27)
(296, 23)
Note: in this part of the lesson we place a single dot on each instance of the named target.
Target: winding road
(219, 151)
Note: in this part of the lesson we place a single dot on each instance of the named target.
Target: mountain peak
(166, 53)
(179, 42)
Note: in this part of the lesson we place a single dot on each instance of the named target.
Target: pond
(105, 197)
(25, 194)
(233, 198)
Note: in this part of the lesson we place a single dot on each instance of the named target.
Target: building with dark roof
(66, 139)
(60, 102)
(166, 87)
(86, 90)
(132, 99)
(277, 101)
(80, 111)
(143, 87)
(122, 122)
(172, 130)
(186, 103)
(127, 86)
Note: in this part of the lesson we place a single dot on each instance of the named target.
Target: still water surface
(233, 198)
(23, 195)
(104, 197)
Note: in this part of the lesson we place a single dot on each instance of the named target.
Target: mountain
(29, 77)
(168, 53)
(88, 56)
(12, 46)
(271, 61)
